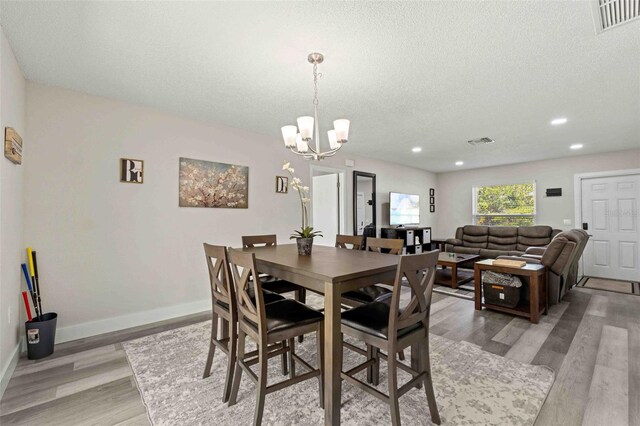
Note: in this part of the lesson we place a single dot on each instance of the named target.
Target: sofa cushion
(533, 236)
(475, 236)
(492, 254)
(475, 230)
(466, 250)
(502, 238)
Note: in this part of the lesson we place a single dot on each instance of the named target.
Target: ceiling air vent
(480, 141)
(608, 14)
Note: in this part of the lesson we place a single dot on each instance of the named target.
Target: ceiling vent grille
(608, 14)
(480, 141)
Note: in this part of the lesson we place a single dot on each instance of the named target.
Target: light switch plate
(567, 221)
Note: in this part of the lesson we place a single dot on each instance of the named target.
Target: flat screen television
(404, 209)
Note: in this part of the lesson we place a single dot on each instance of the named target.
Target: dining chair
(384, 326)
(268, 324)
(224, 312)
(355, 241)
(273, 283)
(371, 293)
(270, 283)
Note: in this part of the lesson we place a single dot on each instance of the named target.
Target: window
(505, 205)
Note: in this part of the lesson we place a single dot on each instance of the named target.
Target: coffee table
(450, 275)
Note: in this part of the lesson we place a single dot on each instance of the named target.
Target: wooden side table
(537, 277)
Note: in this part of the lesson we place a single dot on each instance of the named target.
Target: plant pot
(304, 246)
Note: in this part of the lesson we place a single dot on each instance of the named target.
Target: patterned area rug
(627, 287)
(465, 291)
(472, 386)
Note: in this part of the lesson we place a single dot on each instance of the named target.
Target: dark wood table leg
(333, 355)
(477, 274)
(534, 298)
(454, 276)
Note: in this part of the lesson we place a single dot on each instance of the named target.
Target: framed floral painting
(214, 185)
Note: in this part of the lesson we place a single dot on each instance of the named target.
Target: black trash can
(41, 335)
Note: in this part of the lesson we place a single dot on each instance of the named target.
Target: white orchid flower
(285, 166)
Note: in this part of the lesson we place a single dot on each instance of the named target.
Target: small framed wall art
(432, 192)
(432, 208)
(131, 171)
(282, 184)
(12, 145)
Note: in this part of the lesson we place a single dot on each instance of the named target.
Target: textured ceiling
(431, 74)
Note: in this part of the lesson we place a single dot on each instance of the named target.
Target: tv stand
(417, 239)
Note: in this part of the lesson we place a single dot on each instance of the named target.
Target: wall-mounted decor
(432, 192)
(432, 200)
(12, 145)
(215, 185)
(432, 208)
(282, 184)
(131, 170)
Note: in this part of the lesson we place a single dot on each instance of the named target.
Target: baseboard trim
(8, 368)
(107, 325)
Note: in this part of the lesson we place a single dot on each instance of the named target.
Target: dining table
(331, 272)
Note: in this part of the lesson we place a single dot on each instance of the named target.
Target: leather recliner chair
(557, 257)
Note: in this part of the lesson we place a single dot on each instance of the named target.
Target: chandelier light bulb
(289, 135)
(301, 144)
(342, 130)
(333, 139)
(305, 124)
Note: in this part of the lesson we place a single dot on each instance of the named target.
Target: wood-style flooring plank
(108, 404)
(634, 372)
(567, 400)
(608, 401)
(528, 345)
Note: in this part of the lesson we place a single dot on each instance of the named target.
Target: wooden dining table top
(327, 264)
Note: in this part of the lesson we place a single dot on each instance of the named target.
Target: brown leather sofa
(492, 241)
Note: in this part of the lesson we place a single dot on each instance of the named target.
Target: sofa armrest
(526, 259)
(454, 242)
(532, 256)
(537, 251)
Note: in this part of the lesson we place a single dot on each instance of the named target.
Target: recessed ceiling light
(576, 146)
(558, 121)
(459, 163)
(416, 149)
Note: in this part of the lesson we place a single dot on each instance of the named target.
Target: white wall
(454, 189)
(12, 114)
(111, 254)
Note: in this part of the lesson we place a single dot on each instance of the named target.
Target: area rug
(462, 292)
(626, 287)
(472, 386)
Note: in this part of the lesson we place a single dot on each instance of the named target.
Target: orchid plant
(305, 231)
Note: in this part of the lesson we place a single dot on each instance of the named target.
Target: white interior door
(610, 211)
(326, 208)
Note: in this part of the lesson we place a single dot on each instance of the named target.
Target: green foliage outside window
(505, 205)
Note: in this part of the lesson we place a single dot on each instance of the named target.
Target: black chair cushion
(287, 313)
(277, 286)
(373, 318)
(268, 296)
(367, 294)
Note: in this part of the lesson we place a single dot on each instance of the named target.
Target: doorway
(327, 203)
(607, 208)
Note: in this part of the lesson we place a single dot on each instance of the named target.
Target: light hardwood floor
(591, 340)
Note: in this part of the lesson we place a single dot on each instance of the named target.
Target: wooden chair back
(248, 309)
(249, 241)
(419, 272)
(378, 244)
(355, 241)
(220, 275)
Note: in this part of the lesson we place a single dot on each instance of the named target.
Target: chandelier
(299, 139)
